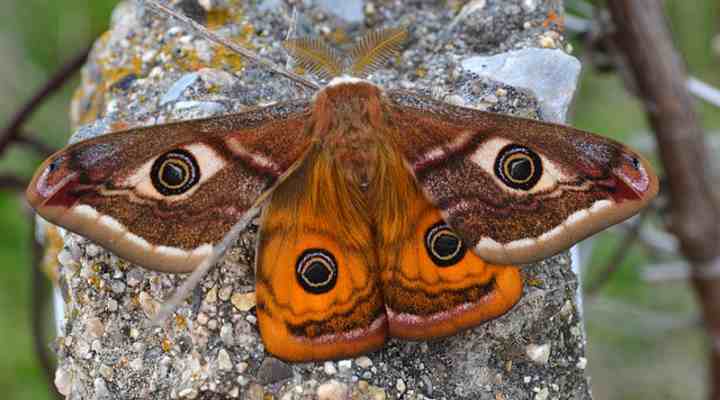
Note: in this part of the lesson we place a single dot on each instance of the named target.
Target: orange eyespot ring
(518, 167)
(316, 271)
(444, 247)
(175, 172)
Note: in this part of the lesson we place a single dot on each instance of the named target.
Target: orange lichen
(166, 345)
(180, 321)
(556, 20)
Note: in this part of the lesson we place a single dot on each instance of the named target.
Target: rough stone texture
(149, 70)
(551, 75)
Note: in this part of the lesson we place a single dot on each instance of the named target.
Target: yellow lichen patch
(534, 282)
(166, 345)
(421, 72)
(180, 321)
(53, 246)
(218, 18)
(226, 58)
(85, 108)
(95, 282)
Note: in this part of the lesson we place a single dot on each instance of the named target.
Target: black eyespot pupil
(446, 245)
(173, 174)
(443, 246)
(520, 169)
(317, 273)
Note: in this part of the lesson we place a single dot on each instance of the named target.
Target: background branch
(13, 130)
(660, 76)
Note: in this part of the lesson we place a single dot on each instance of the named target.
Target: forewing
(163, 196)
(572, 183)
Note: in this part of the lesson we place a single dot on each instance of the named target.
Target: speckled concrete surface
(148, 70)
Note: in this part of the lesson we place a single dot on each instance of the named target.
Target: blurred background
(645, 335)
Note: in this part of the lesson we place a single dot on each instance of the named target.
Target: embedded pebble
(111, 305)
(199, 109)
(95, 327)
(243, 301)
(332, 390)
(273, 370)
(136, 364)
(242, 366)
(581, 363)
(539, 354)
(211, 295)
(329, 368)
(63, 381)
(117, 287)
(149, 306)
(188, 393)
(177, 89)
(101, 390)
(106, 371)
(224, 361)
(226, 335)
(225, 293)
(400, 386)
(134, 277)
(543, 394)
(345, 365)
(65, 258)
(364, 362)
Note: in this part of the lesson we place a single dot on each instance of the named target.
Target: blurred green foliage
(626, 344)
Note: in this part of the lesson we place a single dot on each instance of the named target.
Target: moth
(384, 213)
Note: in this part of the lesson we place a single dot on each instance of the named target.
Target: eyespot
(444, 247)
(518, 167)
(316, 271)
(175, 172)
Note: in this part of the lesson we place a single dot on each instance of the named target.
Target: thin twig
(12, 182)
(247, 54)
(13, 131)
(29, 140)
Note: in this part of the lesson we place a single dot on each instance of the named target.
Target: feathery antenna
(375, 49)
(315, 57)
(247, 54)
